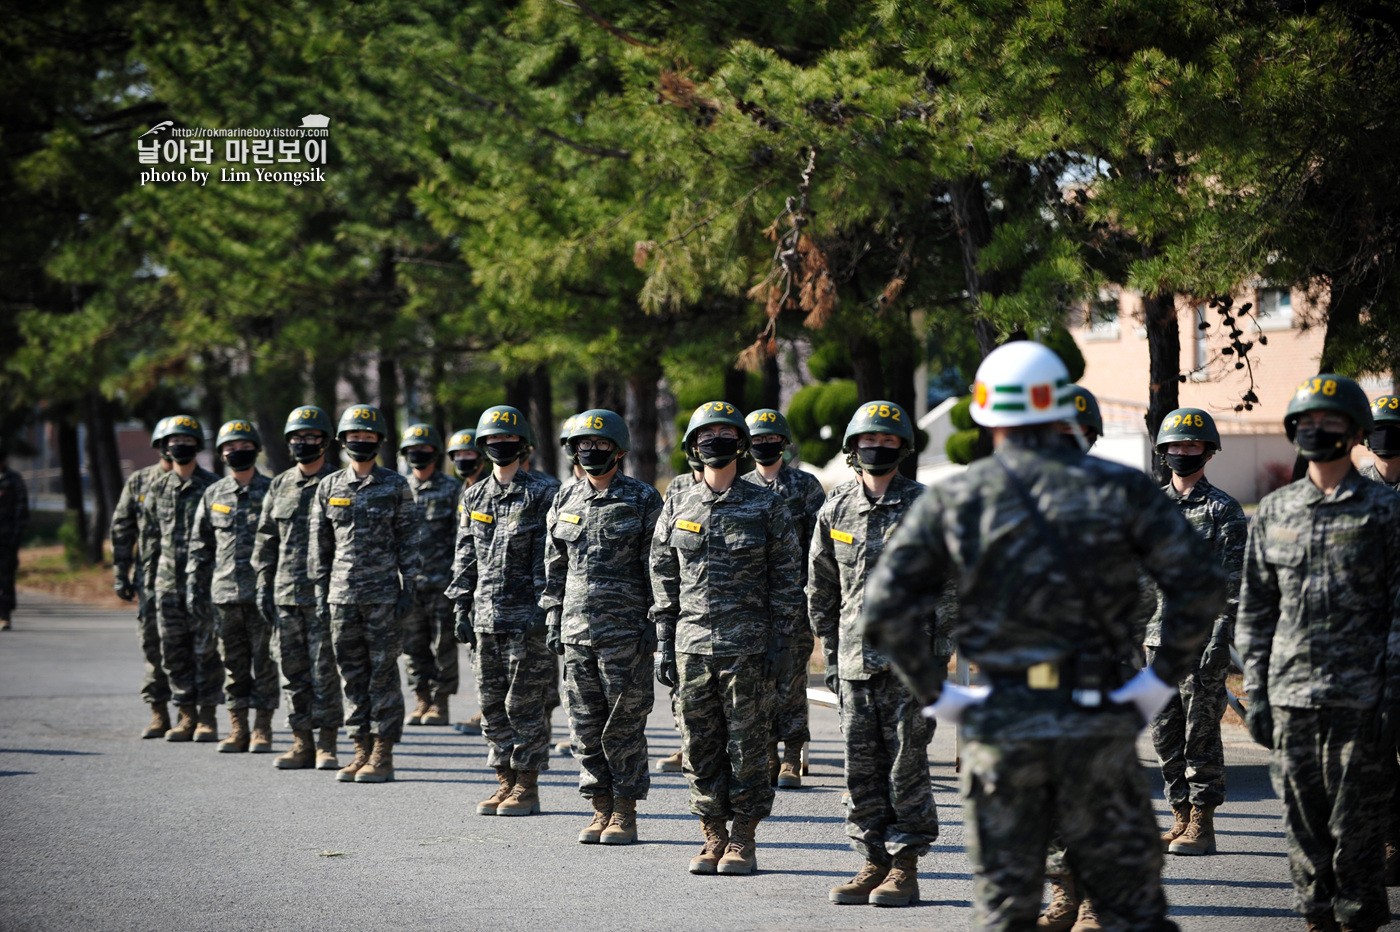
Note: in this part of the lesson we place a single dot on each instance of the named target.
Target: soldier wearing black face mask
(1087, 422)
(1384, 442)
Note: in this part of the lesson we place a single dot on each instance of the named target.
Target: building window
(1274, 309)
(1101, 320)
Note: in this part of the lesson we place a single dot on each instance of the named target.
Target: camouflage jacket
(1028, 598)
(498, 572)
(803, 495)
(221, 548)
(1219, 521)
(1319, 621)
(129, 517)
(680, 483)
(1371, 472)
(597, 565)
(436, 498)
(284, 535)
(851, 533)
(14, 508)
(363, 537)
(724, 570)
(170, 506)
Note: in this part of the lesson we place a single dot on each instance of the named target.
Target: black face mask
(767, 452)
(718, 452)
(1385, 441)
(1185, 464)
(421, 459)
(467, 465)
(878, 461)
(1320, 446)
(597, 462)
(307, 451)
(362, 451)
(183, 453)
(503, 452)
(239, 460)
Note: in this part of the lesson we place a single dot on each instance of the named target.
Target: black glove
(554, 639)
(121, 584)
(1259, 719)
(777, 660)
(1216, 656)
(267, 605)
(463, 628)
(404, 605)
(833, 680)
(666, 673)
(648, 638)
(1387, 722)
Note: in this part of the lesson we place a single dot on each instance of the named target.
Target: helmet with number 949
(1186, 425)
(716, 412)
(1329, 392)
(1022, 384)
(461, 440)
(238, 430)
(362, 417)
(879, 417)
(766, 422)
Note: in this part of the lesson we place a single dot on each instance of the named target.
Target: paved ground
(100, 830)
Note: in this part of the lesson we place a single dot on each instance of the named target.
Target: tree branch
(509, 110)
(586, 10)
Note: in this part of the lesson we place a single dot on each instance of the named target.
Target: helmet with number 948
(716, 412)
(415, 434)
(1329, 392)
(503, 419)
(362, 417)
(1185, 425)
(1022, 384)
(238, 430)
(879, 417)
(599, 422)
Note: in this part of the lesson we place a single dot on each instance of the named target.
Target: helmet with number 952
(879, 417)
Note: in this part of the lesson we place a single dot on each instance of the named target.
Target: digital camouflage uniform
(127, 519)
(1369, 471)
(363, 553)
(886, 738)
(498, 576)
(803, 495)
(1392, 766)
(553, 698)
(189, 645)
(428, 641)
(14, 518)
(724, 572)
(302, 647)
(597, 578)
(221, 552)
(1318, 630)
(1186, 734)
(1034, 762)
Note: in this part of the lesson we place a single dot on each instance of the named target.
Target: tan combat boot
(505, 782)
(1063, 910)
(1088, 920)
(261, 742)
(790, 771)
(524, 798)
(670, 764)
(602, 812)
(1199, 837)
(160, 721)
(237, 740)
(858, 891)
(207, 726)
(325, 749)
(471, 726)
(4, 622)
(901, 886)
(184, 724)
(380, 768)
(740, 856)
(1181, 817)
(622, 827)
(716, 838)
(425, 699)
(301, 754)
(363, 743)
(436, 712)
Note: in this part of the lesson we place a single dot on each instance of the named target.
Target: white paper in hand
(954, 701)
(1146, 691)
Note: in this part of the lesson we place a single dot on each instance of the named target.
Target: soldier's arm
(1392, 644)
(462, 589)
(1234, 530)
(320, 550)
(784, 559)
(665, 576)
(541, 531)
(812, 501)
(650, 519)
(150, 542)
(824, 588)
(902, 591)
(408, 526)
(267, 543)
(1258, 612)
(124, 529)
(556, 563)
(200, 559)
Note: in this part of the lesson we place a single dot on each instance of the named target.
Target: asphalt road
(100, 830)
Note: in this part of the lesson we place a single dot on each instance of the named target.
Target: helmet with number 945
(1022, 384)
(879, 417)
(1185, 425)
(599, 422)
(1329, 392)
(362, 417)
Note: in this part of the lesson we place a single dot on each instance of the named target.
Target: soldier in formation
(724, 572)
(14, 520)
(470, 465)
(189, 650)
(596, 600)
(497, 581)
(428, 639)
(287, 600)
(1320, 637)
(221, 573)
(363, 560)
(891, 818)
(129, 582)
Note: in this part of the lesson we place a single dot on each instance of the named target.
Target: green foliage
(959, 446)
(75, 554)
(835, 406)
(961, 415)
(830, 360)
(1060, 340)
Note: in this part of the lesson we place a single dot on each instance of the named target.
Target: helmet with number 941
(879, 417)
(503, 419)
(1185, 425)
(238, 430)
(716, 412)
(415, 434)
(1329, 392)
(1022, 384)
(362, 417)
(599, 422)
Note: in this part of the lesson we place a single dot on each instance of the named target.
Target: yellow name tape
(221, 509)
(689, 526)
(341, 501)
(482, 516)
(572, 519)
(842, 536)
(1043, 676)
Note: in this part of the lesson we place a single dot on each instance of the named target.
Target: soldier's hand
(1259, 719)
(124, 589)
(554, 639)
(1216, 656)
(463, 628)
(667, 673)
(832, 679)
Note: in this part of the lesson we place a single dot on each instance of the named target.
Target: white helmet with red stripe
(1022, 383)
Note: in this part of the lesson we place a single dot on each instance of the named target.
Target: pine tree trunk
(388, 407)
(279, 459)
(974, 234)
(1164, 364)
(70, 464)
(869, 371)
(641, 459)
(735, 381)
(542, 417)
(214, 419)
(101, 505)
(772, 383)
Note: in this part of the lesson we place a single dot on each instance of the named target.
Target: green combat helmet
(308, 417)
(599, 422)
(565, 429)
(183, 424)
(361, 417)
(159, 433)
(767, 423)
(716, 412)
(1329, 392)
(1086, 410)
(878, 417)
(415, 434)
(238, 430)
(462, 440)
(1185, 425)
(1384, 441)
(503, 420)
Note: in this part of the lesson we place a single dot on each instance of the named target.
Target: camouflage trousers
(189, 651)
(1392, 781)
(1186, 735)
(552, 697)
(9, 569)
(429, 645)
(1330, 774)
(609, 691)
(303, 651)
(892, 810)
(245, 642)
(154, 686)
(790, 697)
(367, 640)
(726, 709)
(1089, 792)
(512, 673)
